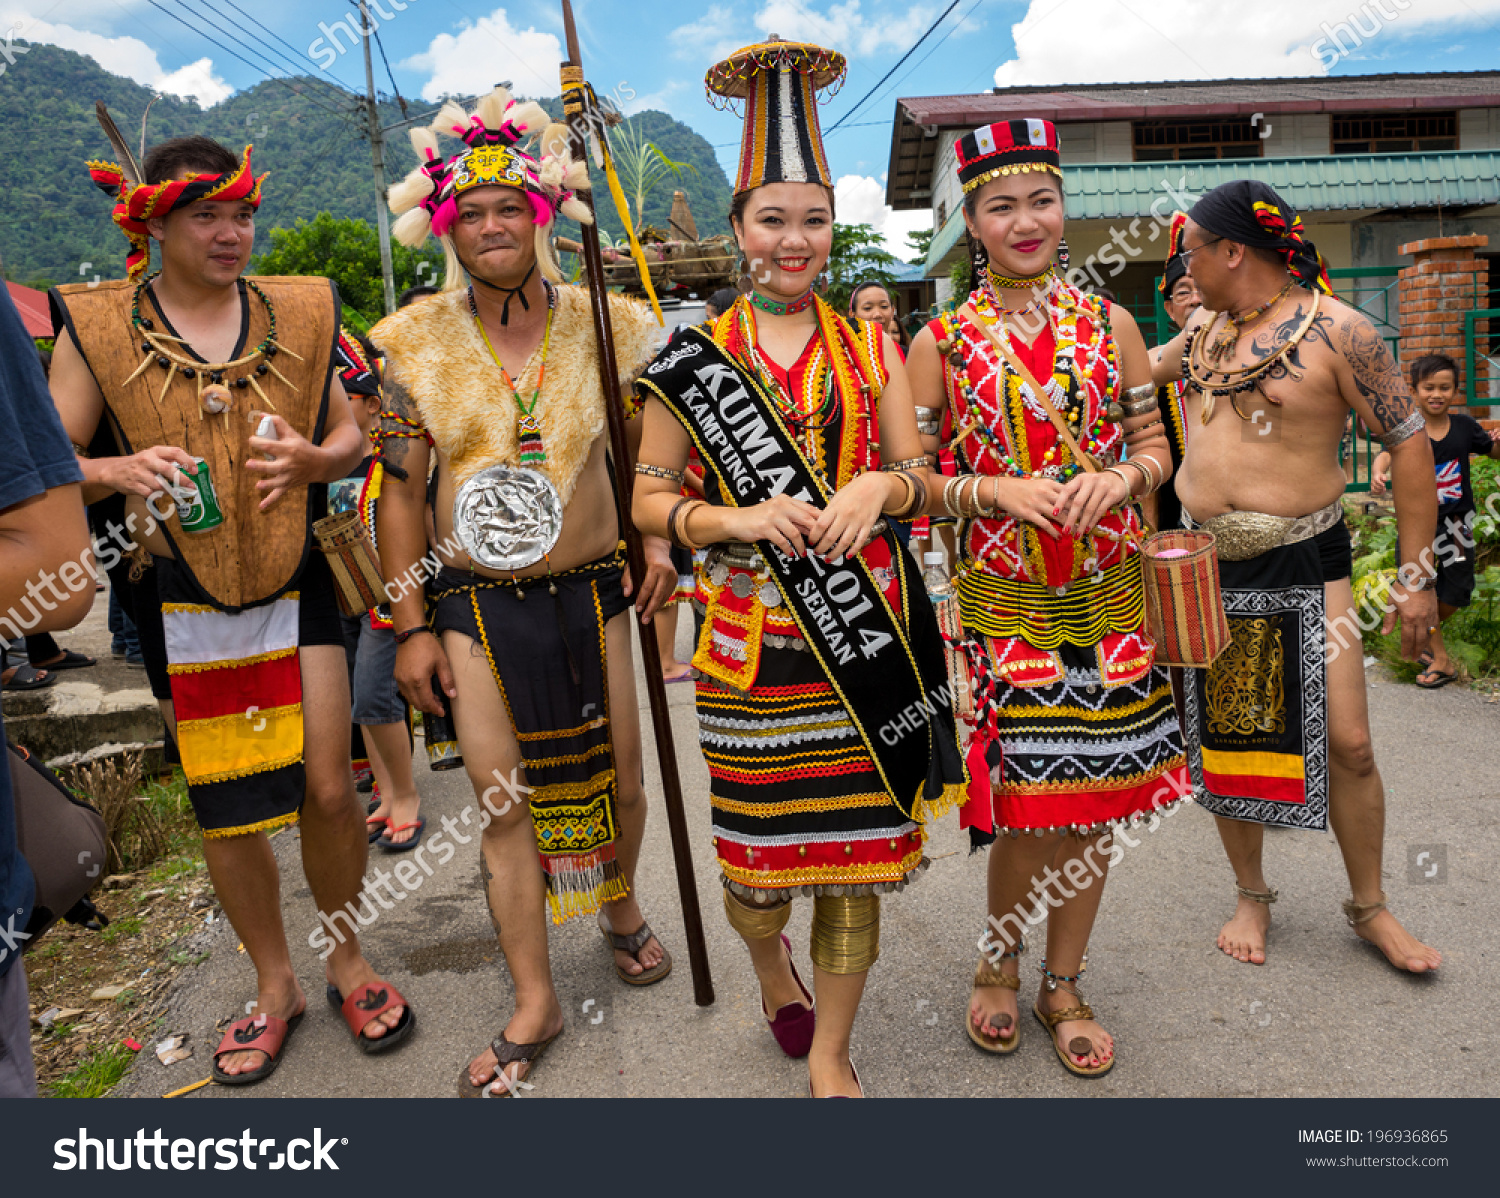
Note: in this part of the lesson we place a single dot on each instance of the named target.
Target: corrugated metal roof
(1329, 183)
(1344, 182)
(918, 119)
(1122, 101)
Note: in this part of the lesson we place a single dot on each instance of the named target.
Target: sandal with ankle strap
(986, 974)
(1052, 1019)
(1264, 897)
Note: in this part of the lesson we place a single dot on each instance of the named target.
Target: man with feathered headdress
(204, 405)
(524, 628)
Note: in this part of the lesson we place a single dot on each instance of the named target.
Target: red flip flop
(264, 1033)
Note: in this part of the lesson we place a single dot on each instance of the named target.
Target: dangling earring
(1062, 256)
(744, 284)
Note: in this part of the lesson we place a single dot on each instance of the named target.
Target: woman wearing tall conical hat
(1075, 735)
(822, 703)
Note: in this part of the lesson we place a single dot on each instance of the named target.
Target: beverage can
(197, 505)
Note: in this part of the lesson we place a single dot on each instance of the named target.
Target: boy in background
(1456, 436)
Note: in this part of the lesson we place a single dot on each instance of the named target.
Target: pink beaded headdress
(426, 201)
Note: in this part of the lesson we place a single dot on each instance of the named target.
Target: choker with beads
(1005, 283)
(777, 308)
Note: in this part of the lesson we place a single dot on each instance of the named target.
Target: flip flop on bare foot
(1374, 924)
(490, 1074)
(1244, 936)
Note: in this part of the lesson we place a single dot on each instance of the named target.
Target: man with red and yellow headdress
(205, 409)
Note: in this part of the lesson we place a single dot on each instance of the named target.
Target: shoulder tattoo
(400, 421)
(1376, 374)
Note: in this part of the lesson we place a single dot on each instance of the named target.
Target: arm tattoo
(1375, 372)
(395, 436)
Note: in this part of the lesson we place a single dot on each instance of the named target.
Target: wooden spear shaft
(574, 102)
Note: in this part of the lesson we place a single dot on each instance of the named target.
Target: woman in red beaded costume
(1074, 731)
(822, 703)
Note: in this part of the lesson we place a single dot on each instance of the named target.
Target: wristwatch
(406, 634)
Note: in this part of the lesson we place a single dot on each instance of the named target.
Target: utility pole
(377, 147)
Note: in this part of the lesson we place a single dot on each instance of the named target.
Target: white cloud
(844, 27)
(486, 52)
(1186, 39)
(708, 39)
(198, 80)
(127, 56)
(860, 200)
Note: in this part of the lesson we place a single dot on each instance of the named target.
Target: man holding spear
(525, 628)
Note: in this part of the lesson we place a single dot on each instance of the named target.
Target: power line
(894, 69)
(265, 53)
(390, 74)
(259, 70)
(936, 47)
(297, 55)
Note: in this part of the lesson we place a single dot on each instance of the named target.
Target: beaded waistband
(1080, 613)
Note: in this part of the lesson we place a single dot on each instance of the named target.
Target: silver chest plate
(507, 517)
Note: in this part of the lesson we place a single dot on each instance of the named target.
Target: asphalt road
(1326, 1016)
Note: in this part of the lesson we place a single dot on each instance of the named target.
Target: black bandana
(1250, 213)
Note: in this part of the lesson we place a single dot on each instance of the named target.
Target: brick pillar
(1444, 281)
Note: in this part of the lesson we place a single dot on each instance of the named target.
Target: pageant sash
(890, 692)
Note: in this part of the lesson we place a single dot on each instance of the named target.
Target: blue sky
(654, 55)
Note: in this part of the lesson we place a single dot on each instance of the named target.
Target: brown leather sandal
(987, 975)
(633, 944)
(1050, 1021)
(507, 1052)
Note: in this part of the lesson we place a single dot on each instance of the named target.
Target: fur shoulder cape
(434, 349)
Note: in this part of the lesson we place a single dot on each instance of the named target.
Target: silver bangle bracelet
(1143, 392)
(1141, 407)
(1402, 431)
(1118, 473)
(926, 413)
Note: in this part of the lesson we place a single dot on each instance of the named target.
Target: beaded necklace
(1002, 430)
(777, 308)
(995, 281)
(533, 452)
(1233, 382)
(214, 397)
(822, 400)
(1228, 337)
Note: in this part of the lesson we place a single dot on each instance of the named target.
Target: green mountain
(53, 220)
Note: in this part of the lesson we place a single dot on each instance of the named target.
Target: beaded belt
(1239, 536)
(1080, 613)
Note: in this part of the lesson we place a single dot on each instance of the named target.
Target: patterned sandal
(1078, 1046)
(986, 974)
(507, 1052)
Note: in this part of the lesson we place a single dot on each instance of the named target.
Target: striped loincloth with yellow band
(237, 694)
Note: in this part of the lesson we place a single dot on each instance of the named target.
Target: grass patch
(96, 1075)
(181, 957)
(126, 925)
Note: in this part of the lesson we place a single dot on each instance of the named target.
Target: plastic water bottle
(935, 578)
